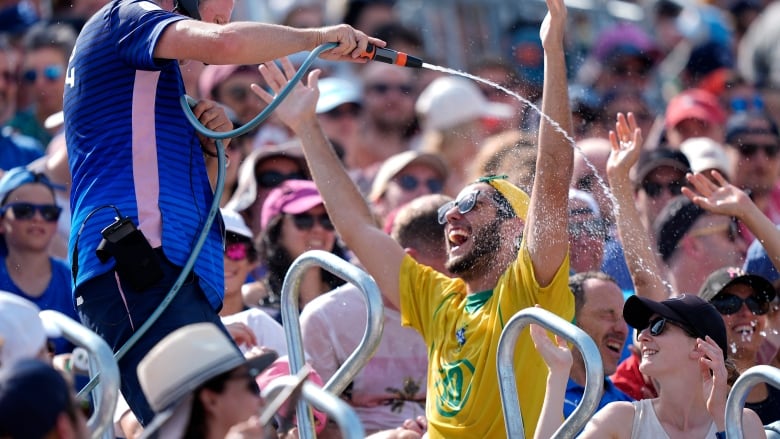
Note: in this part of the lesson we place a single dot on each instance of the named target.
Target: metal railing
(738, 394)
(513, 420)
(101, 359)
(292, 327)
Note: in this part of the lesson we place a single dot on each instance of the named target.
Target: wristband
(720, 435)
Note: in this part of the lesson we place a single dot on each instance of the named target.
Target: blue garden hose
(186, 104)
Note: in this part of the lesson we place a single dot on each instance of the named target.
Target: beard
(486, 243)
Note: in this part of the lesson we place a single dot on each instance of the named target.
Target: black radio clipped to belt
(136, 261)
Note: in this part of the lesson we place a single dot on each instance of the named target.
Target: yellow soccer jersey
(462, 334)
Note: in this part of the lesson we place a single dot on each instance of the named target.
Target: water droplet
(733, 348)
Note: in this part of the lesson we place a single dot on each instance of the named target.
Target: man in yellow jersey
(509, 252)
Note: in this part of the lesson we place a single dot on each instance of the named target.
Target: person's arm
(254, 43)
(615, 420)
(548, 214)
(641, 260)
(723, 198)
(378, 252)
(559, 360)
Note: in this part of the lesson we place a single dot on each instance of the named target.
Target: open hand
(299, 106)
(557, 355)
(718, 196)
(626, 143)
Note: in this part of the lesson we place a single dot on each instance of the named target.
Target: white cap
(235, 223)
(704, 154)
(337, 91)
(22, 335)
(449, 101)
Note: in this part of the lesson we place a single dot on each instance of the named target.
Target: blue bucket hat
(20, 176)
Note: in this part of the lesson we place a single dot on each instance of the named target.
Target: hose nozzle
(391, 56)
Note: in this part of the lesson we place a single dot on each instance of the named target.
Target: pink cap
(694, 103)
(280, 368)
(292, 196)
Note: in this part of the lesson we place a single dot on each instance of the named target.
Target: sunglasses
(653, 190)
(657, 326)
(729, 304)
(731, 229)
(51, 72)
(237, 251)
(410, 183)
(593, 228)
(346, 110)
(271, 179)
(305, 221)
(464, 204)
(251, 384)
(25, 211)
(237, 93)
(750, 149)
(382, 88)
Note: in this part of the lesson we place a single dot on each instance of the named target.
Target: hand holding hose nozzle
(391, 56)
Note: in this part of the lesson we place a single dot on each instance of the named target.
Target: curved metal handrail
(101, 358)
(739, 391)
(348, 421)
(506, 375)
(292, 328)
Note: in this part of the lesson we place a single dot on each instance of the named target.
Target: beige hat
(179, 364)
(449, 101)
(704, 154)
(22, 334)
(394, 164)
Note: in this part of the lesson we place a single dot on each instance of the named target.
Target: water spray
(391, 56)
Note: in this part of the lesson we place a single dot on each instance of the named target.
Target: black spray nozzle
(391, 56)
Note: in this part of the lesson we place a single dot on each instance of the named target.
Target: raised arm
(377, 251)
(545, 231)
(253, 43)
(641, 260)
(724, 198)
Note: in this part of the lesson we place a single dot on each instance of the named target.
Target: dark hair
(197, 428)
(278, 259)
(577, 286)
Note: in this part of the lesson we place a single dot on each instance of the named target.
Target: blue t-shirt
(57, 295)
(17, 149)
(574, 394)
(130, 145)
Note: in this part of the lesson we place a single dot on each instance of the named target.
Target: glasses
(51, 72)
(251, 384)
(731, 228)
(750, 149)
(25, 211)
(467, 202)
(305, 221)
(729, 304)
(593, 228)
(237, 251)
(382, 88)
(271, 179)
(653, 190)
(342, 111)
(410, 182)
(237, 93)
(657, 326)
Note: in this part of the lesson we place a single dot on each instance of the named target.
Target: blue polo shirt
(130, 145)
(574, 394)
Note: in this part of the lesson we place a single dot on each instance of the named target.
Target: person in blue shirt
(134, 155)
(28, 222)
(598, 308)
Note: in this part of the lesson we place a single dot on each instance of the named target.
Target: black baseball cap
(692, 312)
(653, 159)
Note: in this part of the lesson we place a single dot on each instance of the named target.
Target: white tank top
(647, 425)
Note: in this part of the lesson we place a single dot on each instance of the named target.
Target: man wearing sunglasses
(133, 154)
(753, 144)
(508, 251)
(743, 300)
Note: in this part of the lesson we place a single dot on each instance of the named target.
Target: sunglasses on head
(305, 221)
(410, 183)
(750, 149)
(51, 72)
(657, 326)
(653, 190)
(727, 304)
(271, 179)
(237, 251)
(25, 211)
(382, 88)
